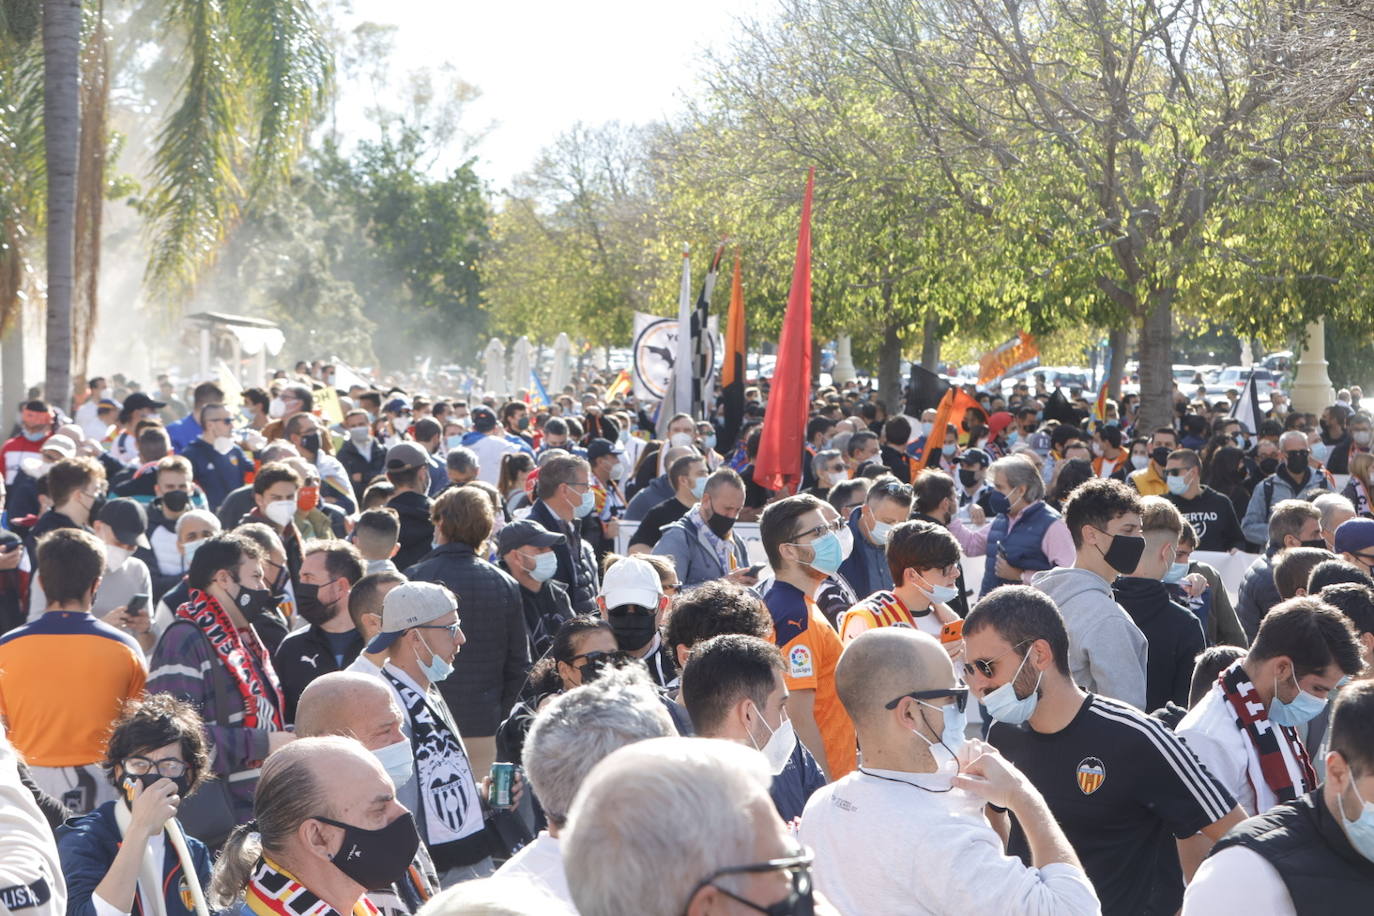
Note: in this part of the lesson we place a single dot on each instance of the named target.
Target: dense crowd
(312, 649)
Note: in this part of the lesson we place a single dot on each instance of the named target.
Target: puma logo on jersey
(312, 659)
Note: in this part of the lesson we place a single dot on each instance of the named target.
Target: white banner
(1232, 567)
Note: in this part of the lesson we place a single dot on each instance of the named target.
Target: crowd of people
(315, 649)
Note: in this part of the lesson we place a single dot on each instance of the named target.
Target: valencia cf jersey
(1123, 787)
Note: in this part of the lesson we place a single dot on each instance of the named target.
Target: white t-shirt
(117, 586)
(1210, 731)
(489, 450)
(28, 853)
(1237, 880)
(914, 845)
(541, 863)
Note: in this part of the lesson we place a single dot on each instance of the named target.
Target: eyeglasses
(960, 695)
(824, 528)
(452, 628)
(1176, 472)
(171, 767)
(984, 665)
(798, 902)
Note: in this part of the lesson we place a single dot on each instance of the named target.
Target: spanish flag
(620, 387)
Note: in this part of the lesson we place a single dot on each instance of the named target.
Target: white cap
(61, 444)
(409, 605)
(631, 581)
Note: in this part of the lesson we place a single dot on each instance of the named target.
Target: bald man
(922, 789)
(360, 706)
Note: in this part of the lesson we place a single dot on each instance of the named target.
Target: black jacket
(361, 470)
(417, 531)
(1323, 872)
(1174, 634)
(304, 656)
(545, 612)
(491, 668)
(576, 562)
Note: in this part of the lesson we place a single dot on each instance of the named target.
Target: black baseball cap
(127, 520)
(524, 532)
(599, 448)
(483, 419)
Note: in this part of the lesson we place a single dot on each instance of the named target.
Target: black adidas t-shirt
(1122, 787)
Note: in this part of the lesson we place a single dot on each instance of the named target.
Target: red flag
(779, 462)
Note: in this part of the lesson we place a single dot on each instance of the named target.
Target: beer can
(502, 785)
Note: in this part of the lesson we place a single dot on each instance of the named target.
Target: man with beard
(330, 642)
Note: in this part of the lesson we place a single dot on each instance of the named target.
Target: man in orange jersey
(57, 721)
(806, 540)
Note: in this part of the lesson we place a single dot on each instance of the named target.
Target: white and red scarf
(256, 683)
(1285, 781)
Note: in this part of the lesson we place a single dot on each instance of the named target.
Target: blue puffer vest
(1021, 546)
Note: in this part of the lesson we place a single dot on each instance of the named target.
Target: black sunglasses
(984, 665)
(798, 902)
(960, 695)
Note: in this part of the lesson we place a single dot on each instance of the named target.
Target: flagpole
(682, 366)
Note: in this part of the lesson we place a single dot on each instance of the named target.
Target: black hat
(483, 419)
(522, 532)
(975, 456)
(140, 401)
(127, 520)
(599, 448)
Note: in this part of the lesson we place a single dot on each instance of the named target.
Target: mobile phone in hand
(136, 604)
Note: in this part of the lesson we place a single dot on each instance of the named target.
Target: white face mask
(617, 471)
(280, 512)
(359, 434)
(115, 556)
(545, 565)
(189, 549)
(224, 445)
(678, 439)
(780, 744)
(276, 408)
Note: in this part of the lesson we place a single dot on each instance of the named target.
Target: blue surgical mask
(1321, 451)
(709, 442)
(949, 450)
(1360, 831)
(939, 594)
(588, 503)
(1177, 484)
(1176, 573)
(951, 733)
(398, 760)
(881, 532)
(698, 487)
(830, 553)
(1301, 710)
(545, 565)
(436, 669)
(1006, 707)
(926, 427)
(453, 442)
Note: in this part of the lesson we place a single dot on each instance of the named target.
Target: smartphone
(953, 631)
(136, 604)
(755, 570)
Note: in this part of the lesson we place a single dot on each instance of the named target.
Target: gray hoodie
(1106, 648)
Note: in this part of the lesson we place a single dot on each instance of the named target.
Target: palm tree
(255, 75)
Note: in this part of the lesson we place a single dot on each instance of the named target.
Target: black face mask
(1296, 462)
(1159, 456)
(311, 442)
(968, 478)
(632, 630)
(376, 858)
(183, 782)
(1125, 553)
(253, 601)
(309, 605)
(720, 525)
(175, 500)
(1319, 543)
(1268, 466)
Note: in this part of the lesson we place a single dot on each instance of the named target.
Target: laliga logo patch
(1091, 774)
(799, 661)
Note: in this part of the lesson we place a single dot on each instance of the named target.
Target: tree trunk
(1119, 339)
(1156, 362)
(890, 368)
(61, 131)
(930, 341)
(90, 194)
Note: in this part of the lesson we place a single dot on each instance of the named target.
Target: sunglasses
(960, 695)
(799, 900)
(984, 666)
